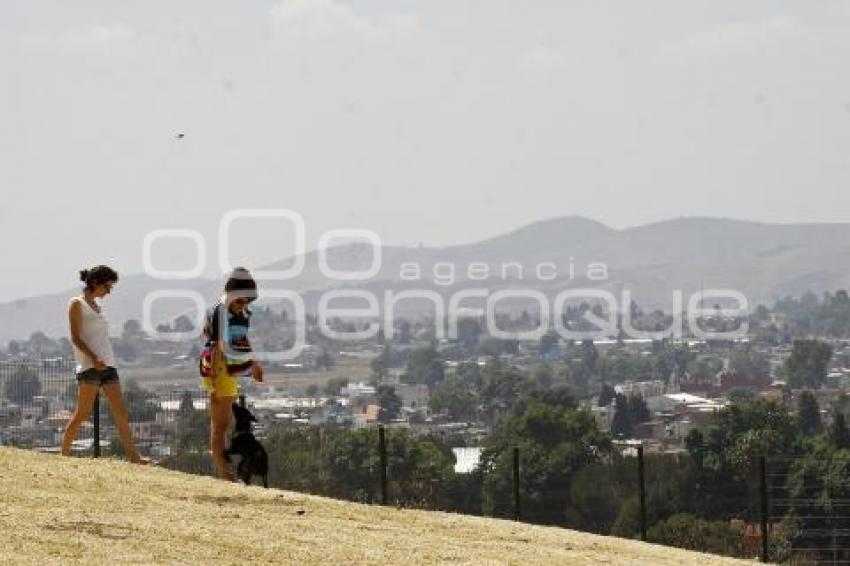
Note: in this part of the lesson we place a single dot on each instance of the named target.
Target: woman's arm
(75, 322)
(211, 333)
(256, 368)
(257, 371)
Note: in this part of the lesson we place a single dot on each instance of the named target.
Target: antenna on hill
(701, 295)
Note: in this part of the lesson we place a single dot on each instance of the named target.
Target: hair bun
(84, 275)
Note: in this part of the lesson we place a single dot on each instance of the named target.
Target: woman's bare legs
(86, 392)
(122, 422)
(221, 409)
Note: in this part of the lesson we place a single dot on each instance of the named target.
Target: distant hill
(84, 511)
(763, 261)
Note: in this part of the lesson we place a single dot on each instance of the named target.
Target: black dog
(254, 460)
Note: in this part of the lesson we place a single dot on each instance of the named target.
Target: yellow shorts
(222, 385)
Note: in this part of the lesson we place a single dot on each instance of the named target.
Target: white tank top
(94, 331)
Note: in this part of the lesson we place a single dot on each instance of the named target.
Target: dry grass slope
(67, 510)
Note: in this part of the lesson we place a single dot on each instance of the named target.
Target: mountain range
(763, 261)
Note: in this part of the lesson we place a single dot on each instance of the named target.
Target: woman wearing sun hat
(226, 357)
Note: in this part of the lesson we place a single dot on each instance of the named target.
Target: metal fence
(809, 509)
(37, 399)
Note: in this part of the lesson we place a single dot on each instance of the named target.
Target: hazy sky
(425, 121)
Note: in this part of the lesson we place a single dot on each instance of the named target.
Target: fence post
(641, 493)
(517, 508)
(382, 447)
(96, 426)
(763, 507)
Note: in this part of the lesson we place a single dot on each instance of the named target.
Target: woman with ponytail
(89, 331)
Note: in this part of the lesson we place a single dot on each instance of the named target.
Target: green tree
(621, 423)
(749, 363)
(842, 405)
(549, 344)
(141, 403)
(403, 334)
(638, 410)
(589, 358)
(725, 452)
(490, 346)
(597, 495)
(193, 429)
(299, 460)
(325, 360)
(670, 360)
(187, 406)
(761, 314)
(669, 490)
(424, 366)
(686, 531)
(456, 397)
(132, 330)
(555, 440)
(818, 488)
(543, 376)
(40, 345)
(381, 363)
(627, 523)
(741, 395)
(839, 435)
(389, 402)
(334, 386)
(502, 385)
(468, 332)
(606, 395)
(808, 414)
(703, 369)
(807, 365)
(621, 365)
(345, 464)
(628, 412)
(183, 324)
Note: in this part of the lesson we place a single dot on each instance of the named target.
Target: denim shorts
(98, 376)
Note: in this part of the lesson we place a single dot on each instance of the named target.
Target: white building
(466, 459)
(676, 402)
(414, 396)
(359, 389)
(643, 388)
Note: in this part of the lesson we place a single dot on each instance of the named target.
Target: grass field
(297, 382)
(73, 510)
